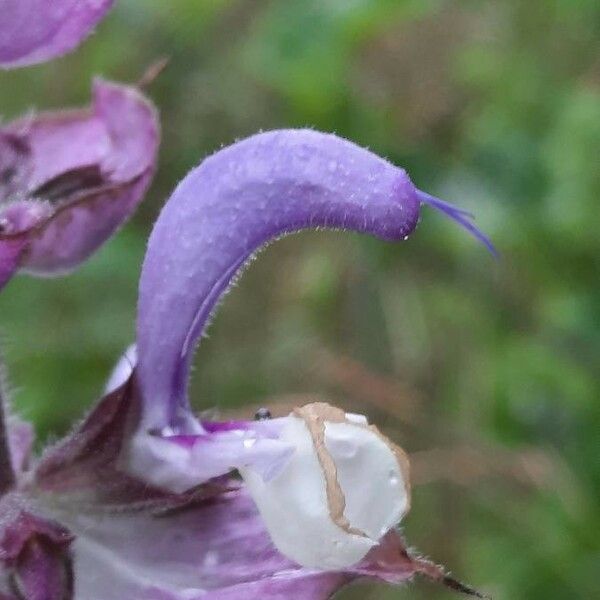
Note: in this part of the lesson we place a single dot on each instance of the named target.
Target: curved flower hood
(34, 31)
(69, 179)
(232, 205)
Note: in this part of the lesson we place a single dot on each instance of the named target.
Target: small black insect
(262, 414)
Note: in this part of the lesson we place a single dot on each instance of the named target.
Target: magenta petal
(34, 31)
(70, 179)
(182, 462)
(233, 204)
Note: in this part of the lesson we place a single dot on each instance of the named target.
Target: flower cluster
(144, 499)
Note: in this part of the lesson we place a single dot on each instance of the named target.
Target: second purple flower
(69, 179)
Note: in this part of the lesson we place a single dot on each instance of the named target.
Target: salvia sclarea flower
(34, 31)
(139, 501)
(68, 179)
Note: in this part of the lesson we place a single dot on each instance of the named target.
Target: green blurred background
(486, 371)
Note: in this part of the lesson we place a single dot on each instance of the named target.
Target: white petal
(370, 476)
(295, 509)
(344, 487)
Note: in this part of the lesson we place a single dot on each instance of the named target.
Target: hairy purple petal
(233, 204)
(68, 180)
(34, 31)
(213, 549)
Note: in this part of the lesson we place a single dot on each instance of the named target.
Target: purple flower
(69, 179)
(139, 501)
(34, 31)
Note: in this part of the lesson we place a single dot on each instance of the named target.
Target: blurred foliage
(492, 105)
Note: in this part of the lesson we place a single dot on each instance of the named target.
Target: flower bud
(342, 490)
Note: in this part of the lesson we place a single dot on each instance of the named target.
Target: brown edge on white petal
(314, 416)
